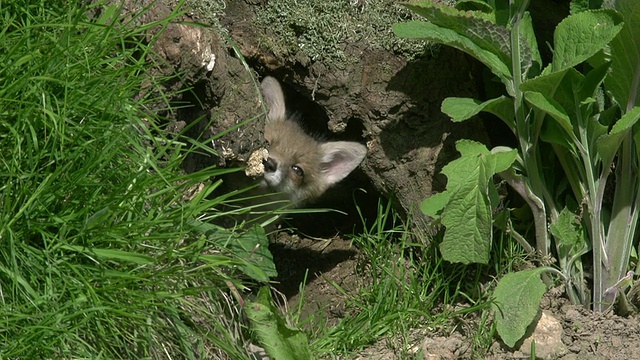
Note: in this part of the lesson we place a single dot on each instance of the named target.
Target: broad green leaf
(467, 219)
(517, 302)
(626, 121)
(623, 224)
(432, 32)
(562, 87)
(569, 235)
(559, 86)
(592, 81)
(471, 148)
(433, 205)
(253, 247)
(279, 340)
(475, 26)
(571, 243)
(577, 6)
(623, 81)
(565, 95)
(596, 130)
(500, 161)
(553, 133)
(475, 33)
(455, 171)
(530, 60)
(582, 35)
(608, 144)
(472, 153)
(460, 109)
(484, 31)
(467, 215)
(545, 84)
(474, 5)
(552, 108)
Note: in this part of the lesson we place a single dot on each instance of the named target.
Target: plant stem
(594, 219)
(622, 229)
(523, 189)
(527, 147)
(520, 239)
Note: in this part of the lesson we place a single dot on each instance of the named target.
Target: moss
(208, 11)
(320, 29)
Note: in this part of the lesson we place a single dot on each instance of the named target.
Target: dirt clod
(255, 166)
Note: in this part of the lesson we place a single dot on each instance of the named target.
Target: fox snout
(298, 165)
(274, 177)
(270, 165)
(278, 177)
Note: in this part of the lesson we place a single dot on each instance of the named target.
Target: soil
(318, 261)
(381, 100)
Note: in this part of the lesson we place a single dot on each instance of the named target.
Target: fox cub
(297, 165)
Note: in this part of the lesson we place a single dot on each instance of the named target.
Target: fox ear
(339, 159)
(273, 98)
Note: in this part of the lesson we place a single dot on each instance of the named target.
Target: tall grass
(398, 292)
(100, 253)
(406, 287)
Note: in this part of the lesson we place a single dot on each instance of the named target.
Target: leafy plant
(279, 340)
(575, 122)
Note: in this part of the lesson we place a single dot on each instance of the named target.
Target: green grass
(397, 292)
(407, 286)
(101, 253)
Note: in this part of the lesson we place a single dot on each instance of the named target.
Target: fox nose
(270, 165)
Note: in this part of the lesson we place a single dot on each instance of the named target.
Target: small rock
(548, 338)
(434, 349)
(453, 344)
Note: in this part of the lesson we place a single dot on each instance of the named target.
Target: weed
(577, 113)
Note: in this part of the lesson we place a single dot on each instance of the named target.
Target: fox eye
(297, 170)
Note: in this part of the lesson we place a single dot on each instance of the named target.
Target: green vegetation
(575, 122)
(408, 286)
(320, 29)
(210, 11)
(101, 252)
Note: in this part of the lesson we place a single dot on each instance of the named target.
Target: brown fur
(304, 167)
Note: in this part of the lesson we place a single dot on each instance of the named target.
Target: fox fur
(299, 166)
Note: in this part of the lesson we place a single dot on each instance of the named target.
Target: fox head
(298, 165)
